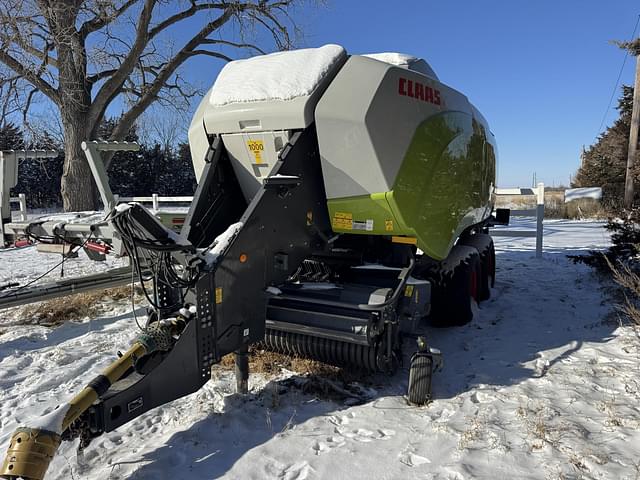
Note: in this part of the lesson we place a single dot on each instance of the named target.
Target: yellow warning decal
(388, 225)
(218, 295)
(408, 291)
(256, 147)
(405, 240)
(342, 221)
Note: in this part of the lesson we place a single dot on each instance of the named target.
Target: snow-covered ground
(543, 384)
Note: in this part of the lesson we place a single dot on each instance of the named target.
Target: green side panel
(444, 186)
(445, 182)
(366, 214)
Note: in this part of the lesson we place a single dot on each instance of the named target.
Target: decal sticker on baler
(342, 221)
(367, 225)
(345, 221)
(256, 147)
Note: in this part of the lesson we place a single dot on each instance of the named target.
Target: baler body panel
(264, 119)
(445, 183)
(403, 154)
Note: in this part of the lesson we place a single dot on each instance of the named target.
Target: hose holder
(156, 337)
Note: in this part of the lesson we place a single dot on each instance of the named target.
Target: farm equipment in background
(333, 219)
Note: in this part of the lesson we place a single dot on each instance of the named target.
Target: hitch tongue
(32, 449)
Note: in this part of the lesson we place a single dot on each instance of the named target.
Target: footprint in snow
(363, 435)
(412, 459)
(297, 471)
(480, 397)
(328, 444)
(341, 419)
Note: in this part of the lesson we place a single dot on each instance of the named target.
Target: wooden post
(633, 139)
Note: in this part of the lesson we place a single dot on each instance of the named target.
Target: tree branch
(151, 91)
(38, 82)
(112, 86)
(96, 77)
(195, 8)
(211, 41)
(27, 106)
(209, 53)
(102, 19)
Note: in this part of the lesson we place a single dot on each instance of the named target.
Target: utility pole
(633, 138)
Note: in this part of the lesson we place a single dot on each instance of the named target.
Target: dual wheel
(459, 281)
(462, 279)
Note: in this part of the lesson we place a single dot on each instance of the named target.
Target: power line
(615, 88)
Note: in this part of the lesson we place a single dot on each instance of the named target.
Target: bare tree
(164, 127)
(83, 54)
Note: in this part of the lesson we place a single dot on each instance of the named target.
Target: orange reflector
(243, 257)
(405, 240)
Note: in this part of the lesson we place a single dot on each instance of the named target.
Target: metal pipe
(242, 369)
(116, 278)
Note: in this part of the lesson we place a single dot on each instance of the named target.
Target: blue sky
(542, 72)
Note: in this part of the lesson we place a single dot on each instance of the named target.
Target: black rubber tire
(452, 284)
(420, 376)
(483, 243)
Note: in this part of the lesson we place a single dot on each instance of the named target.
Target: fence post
(156, 203)
(22, 200)
(539, 219)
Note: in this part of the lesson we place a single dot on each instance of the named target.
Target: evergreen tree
(177, 177)
(10, 137)
(39, 179)
(604, 162)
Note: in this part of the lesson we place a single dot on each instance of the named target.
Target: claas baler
(343, 203)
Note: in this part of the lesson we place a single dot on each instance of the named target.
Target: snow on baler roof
(276, 76)
(404, 60)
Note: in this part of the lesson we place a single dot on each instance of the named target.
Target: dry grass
(268, 362)
(629, 281)
(315, 378)
(577, 209)
(55, 312)
(554, 206)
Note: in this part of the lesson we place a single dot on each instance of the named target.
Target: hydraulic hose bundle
(150, 247)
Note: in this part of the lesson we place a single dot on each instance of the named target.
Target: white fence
(571, 194)
(537, 213)
(154, 199)
(21, 200)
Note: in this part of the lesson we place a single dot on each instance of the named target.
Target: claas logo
(419, 91)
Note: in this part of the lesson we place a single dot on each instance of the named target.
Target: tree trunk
(78, 188)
